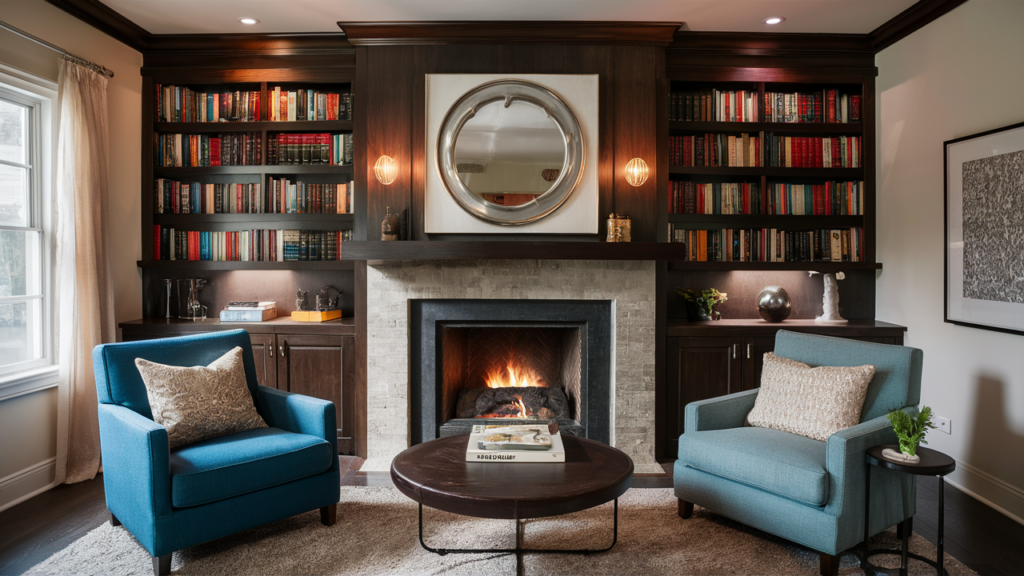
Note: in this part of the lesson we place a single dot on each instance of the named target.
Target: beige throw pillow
(200, 402)
(811, 402)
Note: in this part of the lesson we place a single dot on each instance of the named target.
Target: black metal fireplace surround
(430, 319)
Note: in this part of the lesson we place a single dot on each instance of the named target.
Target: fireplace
(510, 361)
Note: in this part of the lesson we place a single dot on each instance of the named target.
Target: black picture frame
(958, 308)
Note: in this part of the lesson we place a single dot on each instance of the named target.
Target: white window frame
(41, 96)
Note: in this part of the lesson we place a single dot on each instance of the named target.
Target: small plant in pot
(910, 432)
(701, 305)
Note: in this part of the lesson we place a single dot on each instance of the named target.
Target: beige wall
(27, 423)
(960, 75)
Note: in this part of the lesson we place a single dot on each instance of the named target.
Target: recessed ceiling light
(774, 20)
(249, 21)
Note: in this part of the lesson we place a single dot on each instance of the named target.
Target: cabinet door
(322, 366)
(754, 349)
(265, 356)
(698, 369)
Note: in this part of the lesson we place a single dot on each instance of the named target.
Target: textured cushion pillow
(200, 402)
(812, 402)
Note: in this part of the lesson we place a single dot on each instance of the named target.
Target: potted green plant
(910, 432)
(701, 305)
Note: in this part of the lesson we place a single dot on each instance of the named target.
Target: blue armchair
(175, 499)
(803, 490)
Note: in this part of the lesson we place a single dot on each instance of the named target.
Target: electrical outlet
(943, 425)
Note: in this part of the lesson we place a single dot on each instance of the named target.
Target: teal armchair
(803, 490)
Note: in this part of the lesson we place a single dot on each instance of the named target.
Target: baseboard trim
(993, 492)
(31, 481)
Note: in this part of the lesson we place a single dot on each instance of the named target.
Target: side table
(932, 463)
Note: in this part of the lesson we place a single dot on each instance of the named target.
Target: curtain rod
(77, 59)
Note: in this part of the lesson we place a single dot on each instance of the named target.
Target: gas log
(546, 403)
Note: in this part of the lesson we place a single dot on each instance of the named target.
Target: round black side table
(932, 463)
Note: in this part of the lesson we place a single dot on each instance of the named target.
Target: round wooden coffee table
(436, 474)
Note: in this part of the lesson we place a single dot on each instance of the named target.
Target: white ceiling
(221, 16)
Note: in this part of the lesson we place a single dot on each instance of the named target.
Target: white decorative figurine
(830, 300)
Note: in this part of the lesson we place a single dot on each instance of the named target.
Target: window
(24, 337)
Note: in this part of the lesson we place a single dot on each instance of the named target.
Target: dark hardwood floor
(980, 537)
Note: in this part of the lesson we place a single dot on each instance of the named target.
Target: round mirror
(510, 152)
(509, 155)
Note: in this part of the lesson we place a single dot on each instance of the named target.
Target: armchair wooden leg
(329, 515)
(162, 565)
(908, 525)
(685, 509)
(829, 564)
(113, 520)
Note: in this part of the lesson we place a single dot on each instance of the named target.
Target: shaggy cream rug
(376, 533)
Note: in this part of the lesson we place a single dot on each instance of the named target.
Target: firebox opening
(510, 372)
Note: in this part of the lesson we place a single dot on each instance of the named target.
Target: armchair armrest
(720, 413)
(298, 413)
(136, 465)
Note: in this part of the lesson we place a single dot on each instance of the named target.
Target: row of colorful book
(756, 150)
(712, 105)
(826, 199)
(203, 150)
(308, 105)
(248, 245)
(770, 245)
(181, 104)
(324, 149)
(287, 197)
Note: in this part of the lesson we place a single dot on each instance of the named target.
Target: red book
(687, 151)
(257, 110)
(156, 242)
(830, 111)
(214, 151)
(855, 108)
(332, 106)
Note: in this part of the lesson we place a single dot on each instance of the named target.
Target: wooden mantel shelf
(498, 250)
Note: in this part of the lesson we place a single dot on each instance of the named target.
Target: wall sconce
(637, 172)
(386, 170)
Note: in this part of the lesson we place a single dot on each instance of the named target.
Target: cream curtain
(85, 311)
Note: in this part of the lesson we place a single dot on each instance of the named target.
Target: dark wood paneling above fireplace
(391, 95)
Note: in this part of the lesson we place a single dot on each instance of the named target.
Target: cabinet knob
(734, 351)
(281, 349)
(271, 351)
(748, 351)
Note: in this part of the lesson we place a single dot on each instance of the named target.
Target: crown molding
(240, 45)
(106, 20)
(509, 32)
(769, 44)
(909, 21)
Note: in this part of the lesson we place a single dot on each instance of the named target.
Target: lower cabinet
(704, 361)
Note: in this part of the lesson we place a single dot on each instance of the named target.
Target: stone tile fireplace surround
(630, 285)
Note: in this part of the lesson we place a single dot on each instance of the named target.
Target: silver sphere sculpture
(773, 304)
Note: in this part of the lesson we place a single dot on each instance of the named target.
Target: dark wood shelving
(272, 218)
(744, 326)
(771, 172)
(163, 327)
(236, 265)
(837, 128)
(786, 222)
(184, 172)
(498, 250)
(215, 127)
(818, 266)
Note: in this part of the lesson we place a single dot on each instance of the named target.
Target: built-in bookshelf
(237, 171)
(760, 164)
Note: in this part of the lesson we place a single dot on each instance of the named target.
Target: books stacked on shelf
(733, 150)
(323, 149)
(515, 443)
(287, 197)
(248, 245)
(770, 245)
(828, 199)
(811, 107)
(249, 311)
(296, 105)
(174, 197)
(181, 104)
(714, 106)
(184, 150)
(812, 151)
(714, 198)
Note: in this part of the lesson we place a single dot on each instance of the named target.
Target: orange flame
(514, 376)
(504, 413)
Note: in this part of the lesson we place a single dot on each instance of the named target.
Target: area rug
(376, 533)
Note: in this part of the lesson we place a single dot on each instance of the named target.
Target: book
(251, 305)
(315, 315)
(514, 443)
(248, 315)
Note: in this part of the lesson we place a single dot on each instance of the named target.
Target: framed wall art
(984, 230)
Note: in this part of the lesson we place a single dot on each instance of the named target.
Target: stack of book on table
(249, 312)
(539, 442)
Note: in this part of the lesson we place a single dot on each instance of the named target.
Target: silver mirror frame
(510, 91)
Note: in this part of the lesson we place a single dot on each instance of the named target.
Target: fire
(514, 376)
(514, 409)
